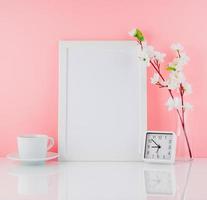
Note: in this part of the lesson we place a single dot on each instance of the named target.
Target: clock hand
(155, 146)
(155, 143)
(158, 148)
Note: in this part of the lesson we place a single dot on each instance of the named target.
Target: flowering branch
(169, 90)
(176, 81)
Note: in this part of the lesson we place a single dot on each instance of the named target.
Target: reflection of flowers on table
(176, 83)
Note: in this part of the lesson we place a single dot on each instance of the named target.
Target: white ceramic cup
(34, 146)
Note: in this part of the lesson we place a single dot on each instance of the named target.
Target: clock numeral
(154, 137)
(147, 152)
(160, 137)
(169, 153)
(169, 147)
(163, 156)
(170, 141)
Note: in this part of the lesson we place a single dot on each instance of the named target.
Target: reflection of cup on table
(34, 180)
(33, 185)
(34, 146)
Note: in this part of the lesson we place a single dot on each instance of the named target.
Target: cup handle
(51, 143)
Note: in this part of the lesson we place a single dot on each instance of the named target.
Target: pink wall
(29, 35)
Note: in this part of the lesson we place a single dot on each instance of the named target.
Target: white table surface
(103, 181)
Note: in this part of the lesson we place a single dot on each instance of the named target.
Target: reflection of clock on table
(160, 147)
(159, 183)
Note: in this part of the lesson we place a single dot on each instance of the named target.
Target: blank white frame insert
(102, 101)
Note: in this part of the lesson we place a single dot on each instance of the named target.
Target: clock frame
(172, 150)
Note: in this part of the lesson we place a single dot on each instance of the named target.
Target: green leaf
(139, 35)
(171, 68)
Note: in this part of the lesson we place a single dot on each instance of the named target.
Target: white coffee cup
(34, 146)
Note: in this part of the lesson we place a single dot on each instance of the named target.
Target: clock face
(159, 146)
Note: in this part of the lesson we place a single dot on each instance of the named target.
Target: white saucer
(15, 157)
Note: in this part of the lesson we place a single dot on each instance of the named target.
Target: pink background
(30, 31)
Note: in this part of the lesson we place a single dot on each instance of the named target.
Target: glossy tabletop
(103, 181)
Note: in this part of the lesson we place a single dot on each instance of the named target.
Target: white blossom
(179, 62)
(173, 103)
(187, 87)
(174, 80)
(144, 58)
(159, 56)
(155, 78)
(183, 59)
(177, 103)
(176, 64)
(179, 66)
(177, 47)
(146, 52)
(133, 32)
(170, 104)
(150, 51)
(177, 76)
(172, 84)
(187, 106)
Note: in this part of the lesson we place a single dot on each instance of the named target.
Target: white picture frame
(111, 127)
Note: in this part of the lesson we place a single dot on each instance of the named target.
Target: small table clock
(160, 147)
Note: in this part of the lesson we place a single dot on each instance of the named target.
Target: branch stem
(181, 116)
(170, 91)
